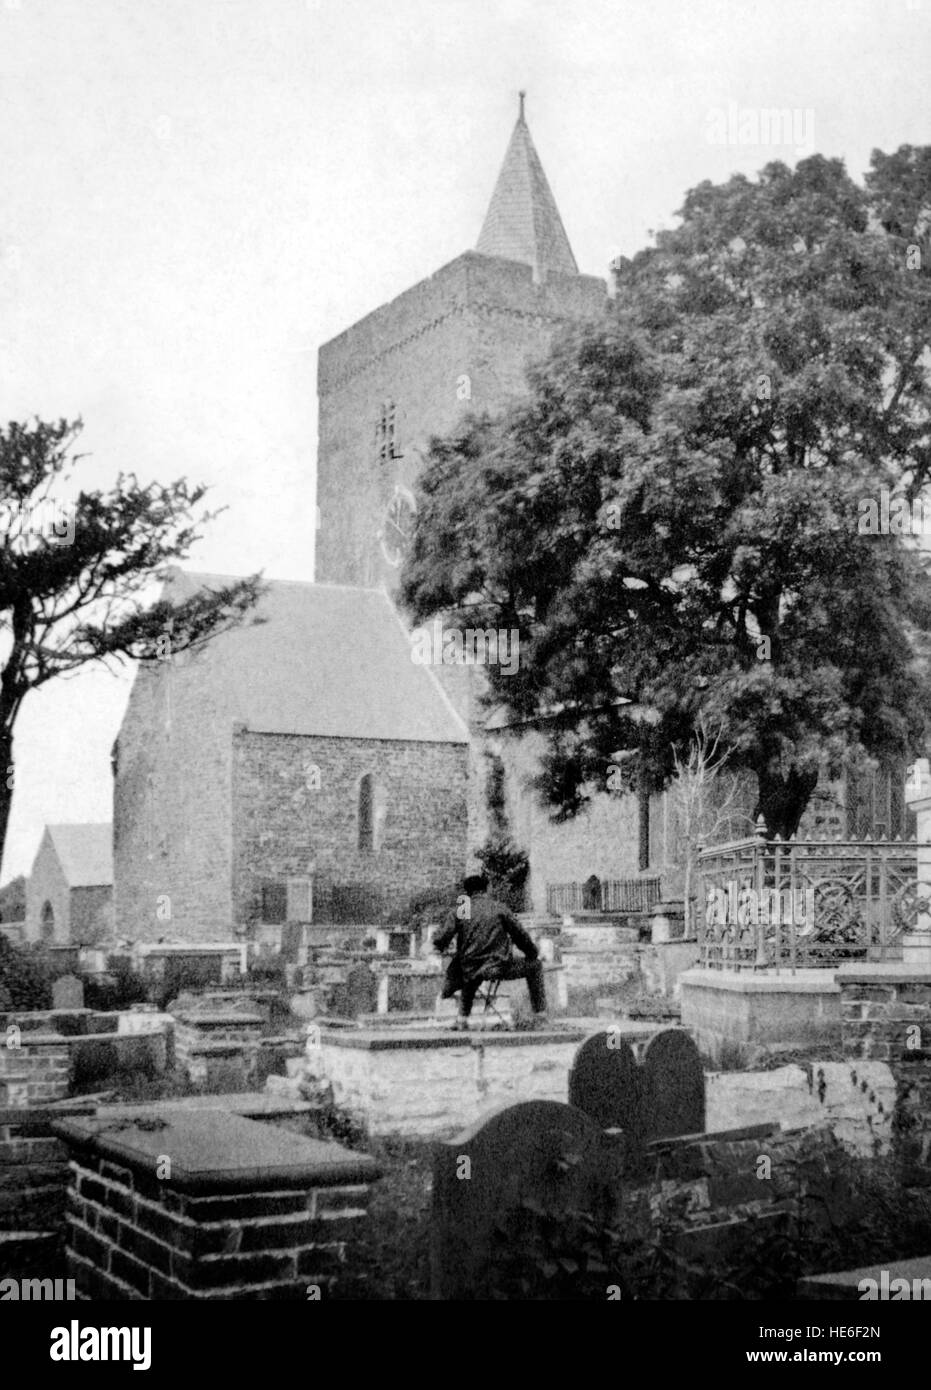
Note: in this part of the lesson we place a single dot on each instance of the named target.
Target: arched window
(48, 922)
(367, 813)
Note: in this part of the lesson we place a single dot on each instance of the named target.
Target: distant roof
(523, 221)
(85, 853)
(328, 659)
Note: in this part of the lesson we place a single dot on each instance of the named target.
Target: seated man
(484, 929)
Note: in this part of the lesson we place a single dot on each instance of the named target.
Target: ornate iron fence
(776, 904)
(607, 895)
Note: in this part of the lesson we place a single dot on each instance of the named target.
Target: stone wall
(479, 317)
(421, 842)
(91, 914)
(36, 1071)
(887, 1015)
(435, 1084)
(172, 842)
(855, 1100)
(47, 884)
(33, 1170)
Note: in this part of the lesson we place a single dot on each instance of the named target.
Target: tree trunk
(781, 801)
(643, 825)
(6, 786)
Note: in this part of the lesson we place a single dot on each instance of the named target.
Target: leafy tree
(670, 517)
(25, 981)
(73, 575)
(13, 900)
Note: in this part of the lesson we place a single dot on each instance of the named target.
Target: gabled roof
(523, 221)
(85, 853)
(326, 659)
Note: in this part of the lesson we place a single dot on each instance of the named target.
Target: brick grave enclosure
(886, 1017)
(178, 1202)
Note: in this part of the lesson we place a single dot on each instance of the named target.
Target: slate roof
(85, 853)
(329, 659)
(523, 221)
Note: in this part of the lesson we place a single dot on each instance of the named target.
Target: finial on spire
(520, 114)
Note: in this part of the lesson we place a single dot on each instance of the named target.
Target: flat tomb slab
(392, 1039)
(249, 1104)
(213, 1151)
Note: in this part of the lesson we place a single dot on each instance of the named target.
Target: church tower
(455, 342)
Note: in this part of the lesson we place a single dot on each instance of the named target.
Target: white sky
(197, 193)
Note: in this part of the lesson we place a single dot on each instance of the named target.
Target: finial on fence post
(760, 828)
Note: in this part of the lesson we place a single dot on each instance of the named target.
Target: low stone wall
(33, 1171)
(68, 1022)
(206, 1205)
(437, 1083)
(600, 959)
(855, 1101)
(887, 1014)
(40, 1062)
(232, 1052)
(34, 1071)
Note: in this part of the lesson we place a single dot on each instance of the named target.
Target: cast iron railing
(769, 904)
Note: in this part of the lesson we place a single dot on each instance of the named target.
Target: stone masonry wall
(421, 841)
(36, 1071)
(33, 1173)
(855, 1100)
(429, 1089)
(91, 914)
(47, 884)
(33, 1164)
(130, 1237)
(887, 1015)
(480, 317)
(171, 807)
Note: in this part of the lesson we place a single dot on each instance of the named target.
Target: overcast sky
(197, 193)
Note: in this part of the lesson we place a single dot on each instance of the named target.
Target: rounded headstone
(537, 1152)
(673, 1081)
(605, 1082)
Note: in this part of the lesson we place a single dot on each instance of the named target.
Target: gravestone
(361, 991)
(605, 1082)
(672, 1085)
(541, 1152)
(292, 938)
(67, 993)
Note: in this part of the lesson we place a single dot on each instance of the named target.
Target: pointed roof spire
(523, 221)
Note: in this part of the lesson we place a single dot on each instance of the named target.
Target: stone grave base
(425, 1083)
(766, 1010)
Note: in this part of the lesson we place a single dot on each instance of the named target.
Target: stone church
(216, 815)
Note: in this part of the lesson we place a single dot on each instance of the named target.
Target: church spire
(523, 221)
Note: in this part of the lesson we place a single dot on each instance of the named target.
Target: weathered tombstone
(591, 895)
(67, 993)
(292, 934)
(672, 1085)
(541, 1152)
(605, 1082)
(361, 993)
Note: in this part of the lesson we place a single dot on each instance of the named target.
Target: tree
(73, 575)
(707, 802)
(13, 900)
(670, 518)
